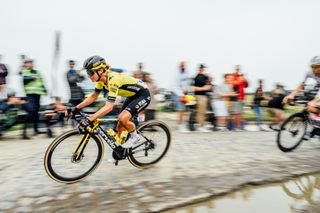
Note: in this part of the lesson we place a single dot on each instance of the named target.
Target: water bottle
(123, 136)
(113, 134)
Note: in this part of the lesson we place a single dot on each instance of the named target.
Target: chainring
(119, 153)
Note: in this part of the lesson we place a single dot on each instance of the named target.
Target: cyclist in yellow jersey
(118, 84)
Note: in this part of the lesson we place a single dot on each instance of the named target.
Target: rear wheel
(292, 131)
(63, 165)
(154, 144)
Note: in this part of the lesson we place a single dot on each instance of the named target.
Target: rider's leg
(314, 105)
(125, 121)
(125, 116)
(136, 105)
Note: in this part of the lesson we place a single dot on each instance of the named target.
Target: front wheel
(73, 156)
(154, 144)
(292, 131)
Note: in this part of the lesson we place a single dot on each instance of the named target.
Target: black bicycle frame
(118, 150)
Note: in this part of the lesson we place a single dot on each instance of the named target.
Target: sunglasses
(90, 72)
(314, 66)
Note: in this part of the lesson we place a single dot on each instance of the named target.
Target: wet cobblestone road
(197, 166)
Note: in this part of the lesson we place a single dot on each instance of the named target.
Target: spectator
(209, 114)
(22, 58)
(3, 75)
(73, 77)
(139, 72)
(34, 87)
(276, 106)
(11, 103)
(180, 87)
(258, 98)
(239, 83)
(17, 77)
(221, 101)
(201, 89)
(151, 109)
(230, 100)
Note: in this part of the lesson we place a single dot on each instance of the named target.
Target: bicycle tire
(62, 138)
(143, 128)
(282, 128)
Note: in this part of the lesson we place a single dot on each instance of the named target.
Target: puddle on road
(285, 197)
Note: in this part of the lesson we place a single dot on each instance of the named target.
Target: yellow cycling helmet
(95, 63)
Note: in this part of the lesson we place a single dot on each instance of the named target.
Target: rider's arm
(313, 105)
(297, 90)
(93, 97)
(293, 93)
(103, 111)
(316, 100)
(89, 100)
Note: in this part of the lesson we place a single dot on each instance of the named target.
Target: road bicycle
(298, 127)
(75, 154)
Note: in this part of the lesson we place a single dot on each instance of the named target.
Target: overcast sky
(271, 39)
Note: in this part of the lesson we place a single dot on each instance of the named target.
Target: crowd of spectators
(226, 101)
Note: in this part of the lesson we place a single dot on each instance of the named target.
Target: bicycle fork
(81, 146)
(83, 143)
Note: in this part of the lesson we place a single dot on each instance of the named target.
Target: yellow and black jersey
(119, 84)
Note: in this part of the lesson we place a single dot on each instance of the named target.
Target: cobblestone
(6, 205)
(197, 166)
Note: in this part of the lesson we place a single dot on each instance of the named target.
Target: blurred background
(269, 38)
(217, 67)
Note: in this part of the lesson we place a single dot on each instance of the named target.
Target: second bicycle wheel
(62, 164)
(292, 131)
(154, 144)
